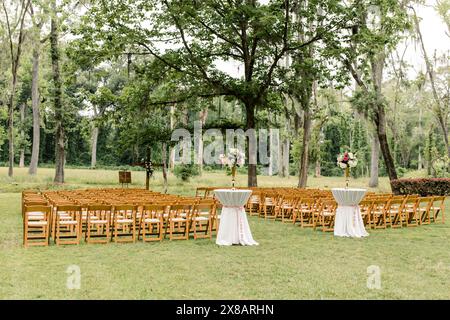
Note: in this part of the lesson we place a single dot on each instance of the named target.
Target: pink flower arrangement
(347, 160)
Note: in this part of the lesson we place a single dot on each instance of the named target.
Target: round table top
(348, 196)
(231, 190)
(349, 189)
(229, 197)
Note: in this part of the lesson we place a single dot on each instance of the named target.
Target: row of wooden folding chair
(398, 212)
(102, 222)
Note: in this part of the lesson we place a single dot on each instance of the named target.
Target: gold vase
(347, 176)
(233, 176)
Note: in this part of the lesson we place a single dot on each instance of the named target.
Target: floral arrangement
(233, 158)
(347, 160)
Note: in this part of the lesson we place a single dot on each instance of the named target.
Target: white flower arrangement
(233, 158)
(347, 160)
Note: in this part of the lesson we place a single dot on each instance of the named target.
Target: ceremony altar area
(130, 215)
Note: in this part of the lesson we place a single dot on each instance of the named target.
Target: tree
(38, 19)
(15, 49)
(57, 96)
(441, 109)
(199, 34)
(379, 25)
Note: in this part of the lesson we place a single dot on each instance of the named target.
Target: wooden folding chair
(98, 223)
(424, 208)
(438, 207)
(269, 203)
(151, 224)
(325, 216)
(124, 225)
(201, 220)
(178, 222)
(67, 224)
(378, 215)
(365, 207)
(36, 225)
(304, 211)
(411, 213)
(253, 204)
(284, 208)
(216, 217)
(395, 212)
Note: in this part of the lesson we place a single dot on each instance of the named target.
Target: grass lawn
(289, 263)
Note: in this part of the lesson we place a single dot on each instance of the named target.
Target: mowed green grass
(289, 263)
(86, 178)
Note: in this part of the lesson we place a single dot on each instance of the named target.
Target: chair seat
(151, 220)
(68, 222)
(65, 218)
(98, 221)
(36, 217)
(178, 219)
(436, 208)
(35, 213)
(37, 223)
(124, 220)
(201, 219)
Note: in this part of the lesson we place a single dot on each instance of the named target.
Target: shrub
(422, 186)
(186, 171)
(401, 171)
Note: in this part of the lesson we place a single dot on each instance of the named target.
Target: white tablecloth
(348, 221)
(233, 227)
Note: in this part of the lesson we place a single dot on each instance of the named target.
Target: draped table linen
(348, 222)
(234, 227)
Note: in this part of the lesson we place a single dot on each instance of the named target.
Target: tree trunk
(57, 98)
(317, 171)
(22, 159)
(444, 129)
(384, 146)
(22, 135)
(285, 146)
(172, 149)
(375, 155)
(250, 124)
(203, 115)
(377, 64)
(95, 132)
(148, 158)
(285, 158)
(419, 158)
(164, 169)
(35, 106)
(303, 167)
(11, 130)
(274, 148)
